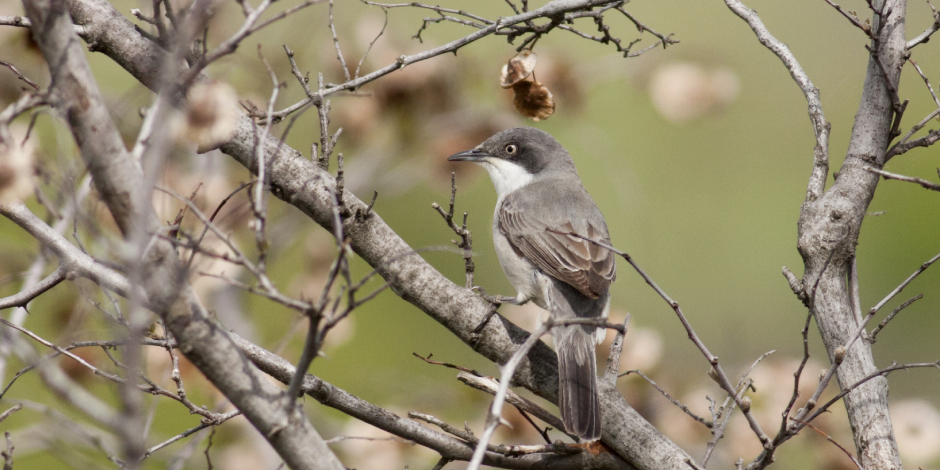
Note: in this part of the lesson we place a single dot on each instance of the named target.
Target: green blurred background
(698, 155)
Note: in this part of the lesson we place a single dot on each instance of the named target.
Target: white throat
(507, 176)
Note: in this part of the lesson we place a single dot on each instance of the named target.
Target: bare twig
(20, 299)
(925, 141)
(13, 409)
(505, 26)
(926, 82)
(925, 36)
(722, 380)
(665, 40)
(447, 364)
(865, 27)
(821, 128)
(369, 49)
(249, 27)
(891, 316)
(830, 439)
(19, 75)
(904, 284)
(491, 386)
(466, 239)
(506, 372)
(221, 419)
(680, 405)
(7, 454)
(910, 179)
(339, 52)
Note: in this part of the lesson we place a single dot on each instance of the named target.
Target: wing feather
(583, 265)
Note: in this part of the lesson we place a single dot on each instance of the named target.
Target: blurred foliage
(705, 198)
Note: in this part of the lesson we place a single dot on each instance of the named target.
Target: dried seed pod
(211, 115)
(518, 68)
(533, 100)
(16, 168)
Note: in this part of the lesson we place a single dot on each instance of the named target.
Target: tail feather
(577, 369)
(577, 382)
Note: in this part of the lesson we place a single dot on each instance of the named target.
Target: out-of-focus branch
(120, 182)
(24, 22)
(20, 299)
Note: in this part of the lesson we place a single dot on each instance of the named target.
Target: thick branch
(448, 446)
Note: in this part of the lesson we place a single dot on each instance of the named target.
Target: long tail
(577, 381)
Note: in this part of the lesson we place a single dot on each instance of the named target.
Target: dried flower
(16, 168)
(518, 68)
(917, 427)
(684, 91)
(211, 115)
(533, 100)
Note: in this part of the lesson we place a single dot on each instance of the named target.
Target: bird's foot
(496, 301)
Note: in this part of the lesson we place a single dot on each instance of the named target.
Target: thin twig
(6, 414)
(893, 313)
(723, 380)
(910, 179)
(865, 27)
(830, 439)
(368, 49)
(339, 53)
(925, 36)
(19, 75)
(680, 405)
(447, 364)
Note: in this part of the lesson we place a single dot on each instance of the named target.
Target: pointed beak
(475, 155)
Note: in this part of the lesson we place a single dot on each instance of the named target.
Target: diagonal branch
(893, 176)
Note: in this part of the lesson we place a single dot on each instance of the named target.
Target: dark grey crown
(531, 148)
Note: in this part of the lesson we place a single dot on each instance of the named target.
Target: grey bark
(448, 446)
(829, 226)
(120, 183)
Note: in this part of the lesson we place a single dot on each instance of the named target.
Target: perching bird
(540, 199)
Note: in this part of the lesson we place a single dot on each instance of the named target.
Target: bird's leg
(496, 301)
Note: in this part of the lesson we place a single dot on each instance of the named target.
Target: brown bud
(839, 354)
(746, 404)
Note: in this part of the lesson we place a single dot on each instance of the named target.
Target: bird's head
(515, 157)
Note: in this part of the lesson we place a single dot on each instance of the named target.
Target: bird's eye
(511, 149)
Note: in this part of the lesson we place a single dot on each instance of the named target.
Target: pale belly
(522, 274)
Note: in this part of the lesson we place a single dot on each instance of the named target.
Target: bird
(541, 226)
